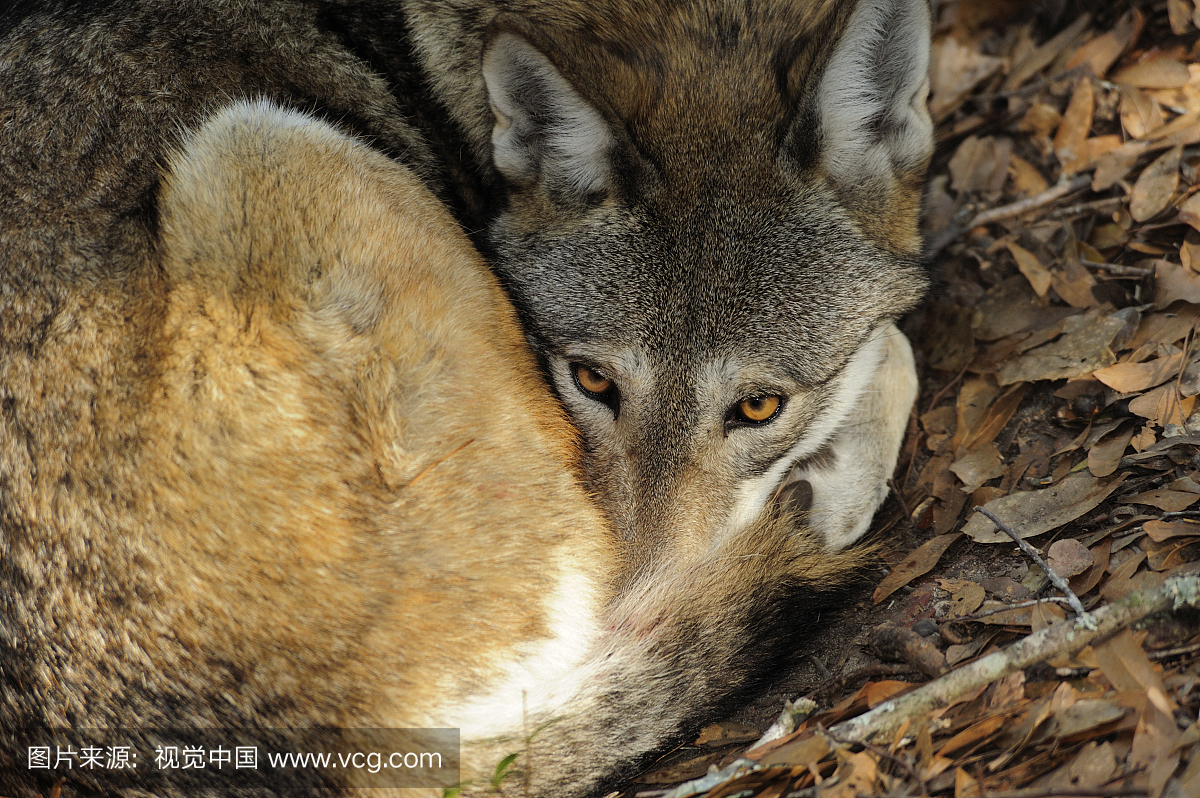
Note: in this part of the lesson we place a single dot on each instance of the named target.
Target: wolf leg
(842, 486)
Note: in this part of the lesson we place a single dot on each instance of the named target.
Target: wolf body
(699, 205)
(300, 469)
(706, 216)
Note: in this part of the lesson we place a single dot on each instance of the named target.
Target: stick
(1064, 637)
(1058, 581)
(1030, 203)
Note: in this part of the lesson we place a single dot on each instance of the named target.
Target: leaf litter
(1059, 370)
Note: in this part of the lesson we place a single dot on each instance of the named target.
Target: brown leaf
(1076, 123)
(1036, 512)
(1173, 282)
(1161, 73)
(1105, 455)
(1156, 186)
(1074, 284)
(1068, 557)
(1179, 12)
(973, 734)
(996, 418)
(1160, 531)
(918, 563)
(978, 466)
(1136, 377)
(1189, 212)
(974, 398)
(1086, 582)
(1103, 51)
(1085, 714)
(954, 70)
(1026, 178)
(966, 600)
(1084, 347)
(1169, 501)
(857, 775)
(1037, 274)
(1163, 406)
(1140, 113)
(980, 164)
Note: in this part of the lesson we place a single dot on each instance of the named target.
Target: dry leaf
(1140, 113)
(980, 164)
(1136, 377)
(1179, 12)
(978, 466)
(1036, 512)
(1189, 212)
(1163, 406)
(1076, 123)
(1069, 557)
(1105, 455)
(1170, 501)
(1103, 51)
(974, 398)
(1044, 55)
(1173, 282)
(954, 70)
(1160, 531)
(1156, 186)
(966, 600)
(995, 418)
(1161, 73)
(1025, 177)
(916, 564)
(1074, 284)
(1037, 274)
(1084, 347)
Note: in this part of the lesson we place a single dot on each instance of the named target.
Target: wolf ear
(545, 130)
(871, 101)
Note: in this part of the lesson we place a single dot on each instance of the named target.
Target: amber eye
(592, 381)
(758, 409)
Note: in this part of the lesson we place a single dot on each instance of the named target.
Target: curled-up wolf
(275, 453)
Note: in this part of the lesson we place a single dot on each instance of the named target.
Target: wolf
(299, 468)
(705, 212)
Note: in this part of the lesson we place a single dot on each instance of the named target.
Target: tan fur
(299, 469)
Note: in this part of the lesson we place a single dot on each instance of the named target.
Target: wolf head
(712, 212)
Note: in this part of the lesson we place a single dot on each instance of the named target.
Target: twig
(1030, 203)
(1062, 638)
(1095, 206)
(1119, 269)
(1173, 652)
(1010, 607)
(1058, 581)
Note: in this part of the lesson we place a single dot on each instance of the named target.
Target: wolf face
(711, 226)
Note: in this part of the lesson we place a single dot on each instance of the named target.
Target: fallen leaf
(1163, 406)
(974, 398)
(1179, 12)
(1037, 274)
(918, 563)
(1084, 347)
(1160, 531)
(954, 70)
(1105, 455)
(1044, 55)
(1068, 557)
(996, 418)
(1033, 513)
(1161, 73)
(1156, 186)
(1140, 113)
(1102, 52)
(1026, 178)
(1173, 282)
(1169, 501)
(980, 164)
(1189, 212)
(978, 466)
(966, 600)
(1076, 124)
(1136, 377)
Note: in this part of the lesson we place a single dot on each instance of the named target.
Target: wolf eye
(595, 385)
(755, 410)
